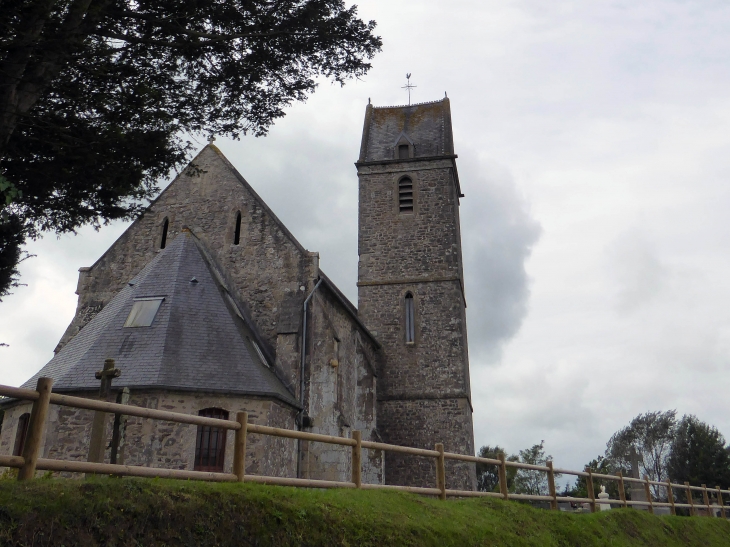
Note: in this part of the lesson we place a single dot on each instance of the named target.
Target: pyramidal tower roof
(197, 340)
(427, 126)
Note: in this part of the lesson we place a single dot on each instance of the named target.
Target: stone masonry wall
(425, 243)
(423, 387)
(156, 443)
(422, 423)
(265, 267)
(341, 391)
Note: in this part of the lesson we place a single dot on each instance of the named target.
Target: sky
(594, 154)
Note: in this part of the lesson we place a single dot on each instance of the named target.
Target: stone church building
(209, 305)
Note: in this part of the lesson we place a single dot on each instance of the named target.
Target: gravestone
(638, 493)
(604, 496)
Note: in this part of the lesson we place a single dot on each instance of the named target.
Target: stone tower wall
(423, 388)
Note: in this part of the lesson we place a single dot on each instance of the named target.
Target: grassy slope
(160, 512)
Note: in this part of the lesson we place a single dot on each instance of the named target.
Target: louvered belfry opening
(405, 195)
(210, 446)
(403, 152)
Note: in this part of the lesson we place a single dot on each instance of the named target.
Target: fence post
(647, 488)
(591, 491)
(551, 486)
(621, 490)
(503, 476)
(691, 502)
(706, 499)
(357, 459)
(239, 446)
(36, 428)
(441, 471)
(720, 502)
(670, 497)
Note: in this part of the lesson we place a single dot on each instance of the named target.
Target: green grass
(162, 512)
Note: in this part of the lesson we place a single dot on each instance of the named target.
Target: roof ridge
(407, 105)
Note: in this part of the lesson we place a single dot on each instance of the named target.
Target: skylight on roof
(143, 311)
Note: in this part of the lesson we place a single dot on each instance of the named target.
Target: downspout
(300, 421)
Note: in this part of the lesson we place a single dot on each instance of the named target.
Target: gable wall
(263, 268)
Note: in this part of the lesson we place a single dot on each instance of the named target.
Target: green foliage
(176, 513)
(9, 474)
(650, 435)
(96, 95)
(488, 475)
(12, 237)
(8, 192)
(698, 454)
(529, 481)
(580, 488)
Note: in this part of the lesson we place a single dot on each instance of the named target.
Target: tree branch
(212, 38)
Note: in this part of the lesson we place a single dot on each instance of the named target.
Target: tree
(698, 454)
(11, 238)
(96, 95)
(580, 487)
(488, 475)
(651, 436)
(532, 481)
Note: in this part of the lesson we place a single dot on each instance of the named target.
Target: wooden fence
(42, 397)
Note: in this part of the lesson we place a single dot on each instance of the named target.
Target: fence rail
(42, 397)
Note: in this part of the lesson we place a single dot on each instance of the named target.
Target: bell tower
(411, 290)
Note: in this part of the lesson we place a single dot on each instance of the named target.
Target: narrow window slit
(237, 233)
(410, 320)
(165, 226)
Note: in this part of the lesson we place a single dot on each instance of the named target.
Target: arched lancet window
(22, 434)
(237, 232)
(210, 444)
(410, 319)
(405, 195)
(165, 226)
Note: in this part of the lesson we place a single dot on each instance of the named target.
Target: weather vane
(408, 86)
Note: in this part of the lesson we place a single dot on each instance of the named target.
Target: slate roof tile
(196, 341)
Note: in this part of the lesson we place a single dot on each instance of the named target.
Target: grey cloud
(498, 234)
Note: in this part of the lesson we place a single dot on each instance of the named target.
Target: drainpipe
(301, 373)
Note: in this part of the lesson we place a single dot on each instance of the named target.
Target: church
(209, 305)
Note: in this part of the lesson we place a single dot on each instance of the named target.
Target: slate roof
(199, 339)
(426, 125)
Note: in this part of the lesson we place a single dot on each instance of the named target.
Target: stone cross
(96, 445)
(408, 86)
(637, 490)
(120, 420)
